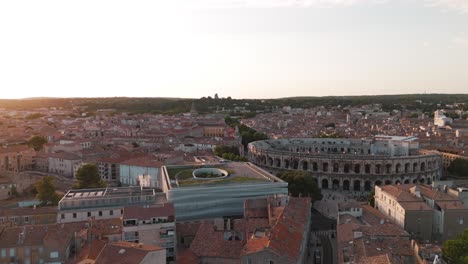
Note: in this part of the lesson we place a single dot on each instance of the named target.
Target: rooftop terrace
(238, 173)
(107, 192)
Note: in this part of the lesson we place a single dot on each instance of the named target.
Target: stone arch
(378, 169)
(367, 186)
(325, 167)
(398, 168)
(357, 168)
(388, 182)
(407, 167)
(286, 164)
(378, 183)
(415, 180)
(423, 166)
(397, 182)
(429, 180)
(422, 180)
(388, 168)
(305, 165)
(346, 168)
(278, 162)
(336, 184)
(357, 185)
(415, 167)
(295, 164)
(407, 181)
(367, 168)
(270, 161)
(346, 185)
(325, 184)
(336, 167)
(314, 166)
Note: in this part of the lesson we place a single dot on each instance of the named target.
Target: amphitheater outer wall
(351, 172)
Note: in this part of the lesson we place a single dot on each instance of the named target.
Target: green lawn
(237, 179)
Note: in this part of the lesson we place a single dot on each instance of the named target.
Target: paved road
(327, 255)
(322, 223)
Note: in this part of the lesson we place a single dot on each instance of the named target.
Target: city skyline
(242, 49)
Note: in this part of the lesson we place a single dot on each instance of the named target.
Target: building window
(89, 214)
(62, 216)
(27, 251)
(26, 219)
(460, 220)
(249, 261)
(12, 252)
(40, 250)
(3, 252)
(27, 261)
(271, 262)
(100, 213)
(54, 254)
(74, 215)
(111, 212)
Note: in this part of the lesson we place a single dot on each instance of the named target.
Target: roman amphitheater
(349, 164)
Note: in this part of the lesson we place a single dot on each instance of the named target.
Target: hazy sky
(243, 49)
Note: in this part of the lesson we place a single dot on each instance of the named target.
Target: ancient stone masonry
(349, 164)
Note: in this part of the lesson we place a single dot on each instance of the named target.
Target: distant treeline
(425, 102)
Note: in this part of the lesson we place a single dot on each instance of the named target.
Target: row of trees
(301, 184)
(87, 176)
(229, 153)
(459, 168)
(456, 250)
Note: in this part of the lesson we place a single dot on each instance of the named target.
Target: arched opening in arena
(367, 186)
(367, 168)
(324, 184)
(325, 167)
(305, 165)
(346, 185)
(378, 183)
(398, 168)
(357, 185)
(336, 184)
(388, 182)
(314, 166)
(357, 168)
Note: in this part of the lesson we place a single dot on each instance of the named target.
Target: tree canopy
(456, 250)
(250, 135)
(301, 184)
(37, 142)
(88, 177)
(46, 191)
(459, 167)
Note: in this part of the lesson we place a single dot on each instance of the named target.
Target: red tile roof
(145, 213)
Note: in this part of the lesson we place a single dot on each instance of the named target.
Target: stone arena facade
(349, 164)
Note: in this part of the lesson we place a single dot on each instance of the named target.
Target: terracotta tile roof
(286, 236)
(143, 162)
(186, 256)
(125, 253)
(211, 243)
(451, 205)
(15, 149)
(28, 211)
(145, 213)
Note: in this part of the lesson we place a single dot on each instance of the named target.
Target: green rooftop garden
(230, 180)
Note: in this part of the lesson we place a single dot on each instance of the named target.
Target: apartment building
(28, 216)
(103, 203)
(426, 213)
(151, 225)
(16, 158)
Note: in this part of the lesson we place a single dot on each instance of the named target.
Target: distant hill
(424, 102)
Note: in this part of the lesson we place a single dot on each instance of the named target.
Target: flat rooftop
(100, 193)
(239, 173)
